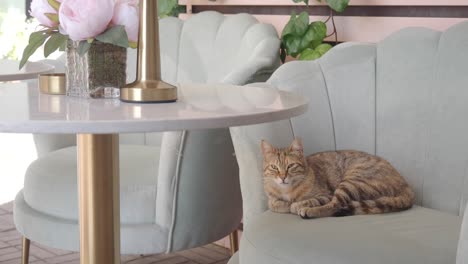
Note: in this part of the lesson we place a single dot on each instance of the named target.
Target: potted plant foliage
(303, 39)
(168, 8)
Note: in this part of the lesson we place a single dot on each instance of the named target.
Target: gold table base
(234, 241)
(99, 204)
(98, 189)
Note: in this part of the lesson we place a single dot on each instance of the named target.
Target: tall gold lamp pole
(148, 87)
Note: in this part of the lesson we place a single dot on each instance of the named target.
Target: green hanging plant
(168, 8)
(337, 5)
(304, 40)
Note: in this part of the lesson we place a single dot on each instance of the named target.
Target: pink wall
(363, 21)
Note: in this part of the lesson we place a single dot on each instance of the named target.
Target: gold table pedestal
(98, 192)
(234, 241)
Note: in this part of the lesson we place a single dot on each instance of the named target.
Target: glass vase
(99, 73)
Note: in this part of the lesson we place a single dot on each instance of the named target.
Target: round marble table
(9, 70)
(97, 123)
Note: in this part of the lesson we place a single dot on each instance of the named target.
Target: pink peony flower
(38, 10)
(126, 14)
(84, 19)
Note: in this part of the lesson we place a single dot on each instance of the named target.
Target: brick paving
(10, 250)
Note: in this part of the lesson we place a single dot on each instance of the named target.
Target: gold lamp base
(148, 87)
(150, 91)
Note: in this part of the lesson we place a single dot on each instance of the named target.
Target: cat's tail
(384, 204)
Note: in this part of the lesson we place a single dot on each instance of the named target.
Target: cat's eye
(274, 167)
(292, 165)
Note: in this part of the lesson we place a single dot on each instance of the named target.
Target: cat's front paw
(294, 208)
(306, 213)
(279, 206)
(282, 209)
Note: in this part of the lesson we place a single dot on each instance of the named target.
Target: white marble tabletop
(24, 110)
(9, 70)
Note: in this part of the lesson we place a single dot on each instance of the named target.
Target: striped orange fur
(335, 183)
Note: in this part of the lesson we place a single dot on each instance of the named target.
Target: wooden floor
(10, 250)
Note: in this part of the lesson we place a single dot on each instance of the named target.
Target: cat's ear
(296, 146)
(267, 147)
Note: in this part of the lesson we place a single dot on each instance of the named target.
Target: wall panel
(312, 2)
(364, 20)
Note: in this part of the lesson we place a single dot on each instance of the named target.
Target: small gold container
(52, 83)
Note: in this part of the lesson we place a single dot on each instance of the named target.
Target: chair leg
(234, 240)
(25, 253)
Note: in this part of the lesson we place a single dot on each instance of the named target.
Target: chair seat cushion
(50, 184)
(418, 235)
(234, 259)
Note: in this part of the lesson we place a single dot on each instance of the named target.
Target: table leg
(234, 241)
(98, 188)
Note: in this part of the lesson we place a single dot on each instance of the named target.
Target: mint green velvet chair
(405, 99)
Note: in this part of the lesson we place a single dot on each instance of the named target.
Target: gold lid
(52, 83)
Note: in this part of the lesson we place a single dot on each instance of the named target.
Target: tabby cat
(335, 183)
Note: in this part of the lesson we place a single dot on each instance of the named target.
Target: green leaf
(36, 39)
(83, 47)
(302, 23)
(167, 8)
(178, 10)
(338, 5)
(297, 25)
(289, 27)
(309, 54)
(292, 45)
(115, 35)
(63, 46)
(320, 29)
(301, 1)
(323, 48)
(55, 41)
(314, 36)
(54, 4)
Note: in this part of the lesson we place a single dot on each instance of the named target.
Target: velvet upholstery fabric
(419, 235)
(50, 184)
